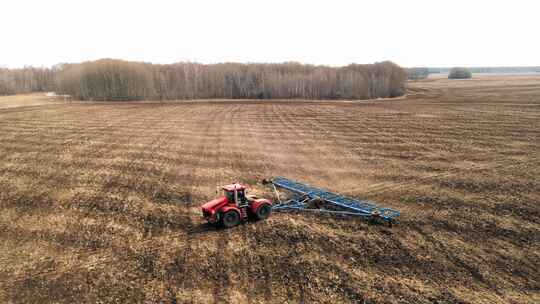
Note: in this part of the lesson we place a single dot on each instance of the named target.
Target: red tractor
(235, 206)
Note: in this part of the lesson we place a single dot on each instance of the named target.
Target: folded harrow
(305, 197)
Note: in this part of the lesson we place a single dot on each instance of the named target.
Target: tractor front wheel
(263, 212)
(230, 219)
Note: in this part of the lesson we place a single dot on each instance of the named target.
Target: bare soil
(99, 202)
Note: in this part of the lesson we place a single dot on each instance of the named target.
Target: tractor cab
(236, 194)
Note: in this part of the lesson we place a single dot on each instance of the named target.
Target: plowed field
(99, 202)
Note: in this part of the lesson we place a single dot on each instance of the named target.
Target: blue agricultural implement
(304, 197)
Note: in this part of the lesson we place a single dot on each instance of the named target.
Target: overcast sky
(332, 32)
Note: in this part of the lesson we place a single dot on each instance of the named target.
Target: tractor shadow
(207, 228)
(204, 228)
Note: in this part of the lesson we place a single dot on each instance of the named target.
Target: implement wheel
(230, 219)
(263, 212)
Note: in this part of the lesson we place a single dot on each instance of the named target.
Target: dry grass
(25, 100)
(99, 202)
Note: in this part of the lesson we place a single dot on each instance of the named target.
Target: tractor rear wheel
(263, 212)
(230, 219)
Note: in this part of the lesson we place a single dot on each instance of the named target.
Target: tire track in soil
(266, 285)
(324, 133)
(260, 129)
(347, 121)
(110, 184)
(179, 262)
(287, 126)
(323, 120)
(242, 116)
(161, 142)
(196, 230)
(224, 279)
(287, 129)
(322, 128)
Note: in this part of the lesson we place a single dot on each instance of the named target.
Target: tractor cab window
(241, 197)
(230, 196)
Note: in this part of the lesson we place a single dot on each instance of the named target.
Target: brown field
(99, 201)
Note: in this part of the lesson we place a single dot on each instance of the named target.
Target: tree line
(118, 80)
(501, 70)
(26, 80)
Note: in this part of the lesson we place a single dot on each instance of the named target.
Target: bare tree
(459, 73)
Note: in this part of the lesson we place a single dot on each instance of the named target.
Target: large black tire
(263, 212)
(230, 219)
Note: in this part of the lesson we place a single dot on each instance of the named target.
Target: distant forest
(417, 73)
(118, 80)
(501, 70)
